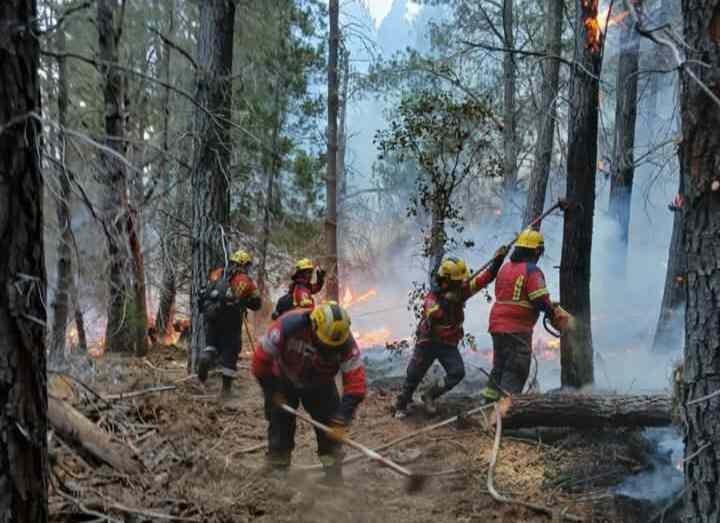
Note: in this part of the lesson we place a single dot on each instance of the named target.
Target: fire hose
(415, 480)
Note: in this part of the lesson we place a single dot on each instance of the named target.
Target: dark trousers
(321, 402)
(511, 361)
(225, 334)
(422, 359)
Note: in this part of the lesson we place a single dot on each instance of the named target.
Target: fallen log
(75, 428)
(586, 410)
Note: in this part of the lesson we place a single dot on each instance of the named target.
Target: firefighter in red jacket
(441, 329)
(520, 296)
(297, 362)
(300, 293)
(224, 310)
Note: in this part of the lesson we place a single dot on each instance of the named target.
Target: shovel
(415, 481)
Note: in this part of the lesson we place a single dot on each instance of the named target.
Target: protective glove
(502, 251)
(339, 427)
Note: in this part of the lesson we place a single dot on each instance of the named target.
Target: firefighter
(224, 302)
(441, 329)
(520, 296)
(297, 362)
(300, 293)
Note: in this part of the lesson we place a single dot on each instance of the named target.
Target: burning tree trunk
(546, 128)
(699, 160)
(210, 191)
(61, 302)
(623, 166)
(168, 287)
(577, 350)
(23, 407)
(585, 411)
(331, 286)
(509, 137)
(127, 317)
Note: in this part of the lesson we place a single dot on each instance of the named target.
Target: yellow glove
(339, 429)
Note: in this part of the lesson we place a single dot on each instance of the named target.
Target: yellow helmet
(304, 264)
(453, 269)
(530, 239)
(331, 324)
(241, 257)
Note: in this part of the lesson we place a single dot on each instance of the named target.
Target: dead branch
(136, 393)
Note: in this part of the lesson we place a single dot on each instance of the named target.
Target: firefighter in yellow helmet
(520, 296)
(441, 329)
(297, 361)
(302, 288)
(229, 293)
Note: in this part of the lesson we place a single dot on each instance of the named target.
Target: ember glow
(374, 338)
(605, 21)
(593, 27)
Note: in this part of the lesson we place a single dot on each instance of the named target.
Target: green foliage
(451, 142)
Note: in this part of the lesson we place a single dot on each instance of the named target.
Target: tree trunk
(668, 333)
(331, 285)
(509, 127)
(623, 165)
(79, 320)
(61, 303)
(119, 332)
(342, 128)
(577, 349)
(23, 403)
(165, 315)
(436, 247)
(699, 160)
(140, 322)
(546, 128)
(585, 411)
(210, 190)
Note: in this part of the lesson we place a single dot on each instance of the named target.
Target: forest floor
(203, 461)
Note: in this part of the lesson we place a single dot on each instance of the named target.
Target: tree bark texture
(23, 398)
(668, 333)
(623, 164)
(331, 285)
(121, 314)
(546, 128)
(210, 175)
(61, 302)
(576, 346)
(586, 411)
(140, 322)
(342, 129)
(509, 109)
(699, 168)
(438, 236)
(165, 315)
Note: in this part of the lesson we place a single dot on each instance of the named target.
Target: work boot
(207, 357)
(332, 469)
(400, 408)
(226, 393)
(429, 402)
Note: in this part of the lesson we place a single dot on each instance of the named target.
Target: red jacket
(443, 319)
(242, 286)
(287, 351)
(302, 292)
(520, 295)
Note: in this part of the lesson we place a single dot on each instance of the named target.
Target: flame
(348, 300)
(598, 22)
(605, 21)
(373, 338)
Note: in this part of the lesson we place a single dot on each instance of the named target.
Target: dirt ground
(203, 461)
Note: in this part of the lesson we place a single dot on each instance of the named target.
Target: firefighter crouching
(296, 362)
(441, 329)
(520, 296)
(224, 303)
(300, 293)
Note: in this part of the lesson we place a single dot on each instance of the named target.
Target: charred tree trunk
(699, 160)
(140, 322)
(119, 334)
(165, 315)
(584, 411)
(331, 285)
(546, 128)
(61, 303)
(79, 320)
(623, 165)
(509, 125)
(23, 404)
(576, 347)
(210, 191)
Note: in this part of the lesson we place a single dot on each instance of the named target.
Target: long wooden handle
(347, 441)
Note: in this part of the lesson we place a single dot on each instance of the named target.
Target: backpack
(217, 296)
(284, 304)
